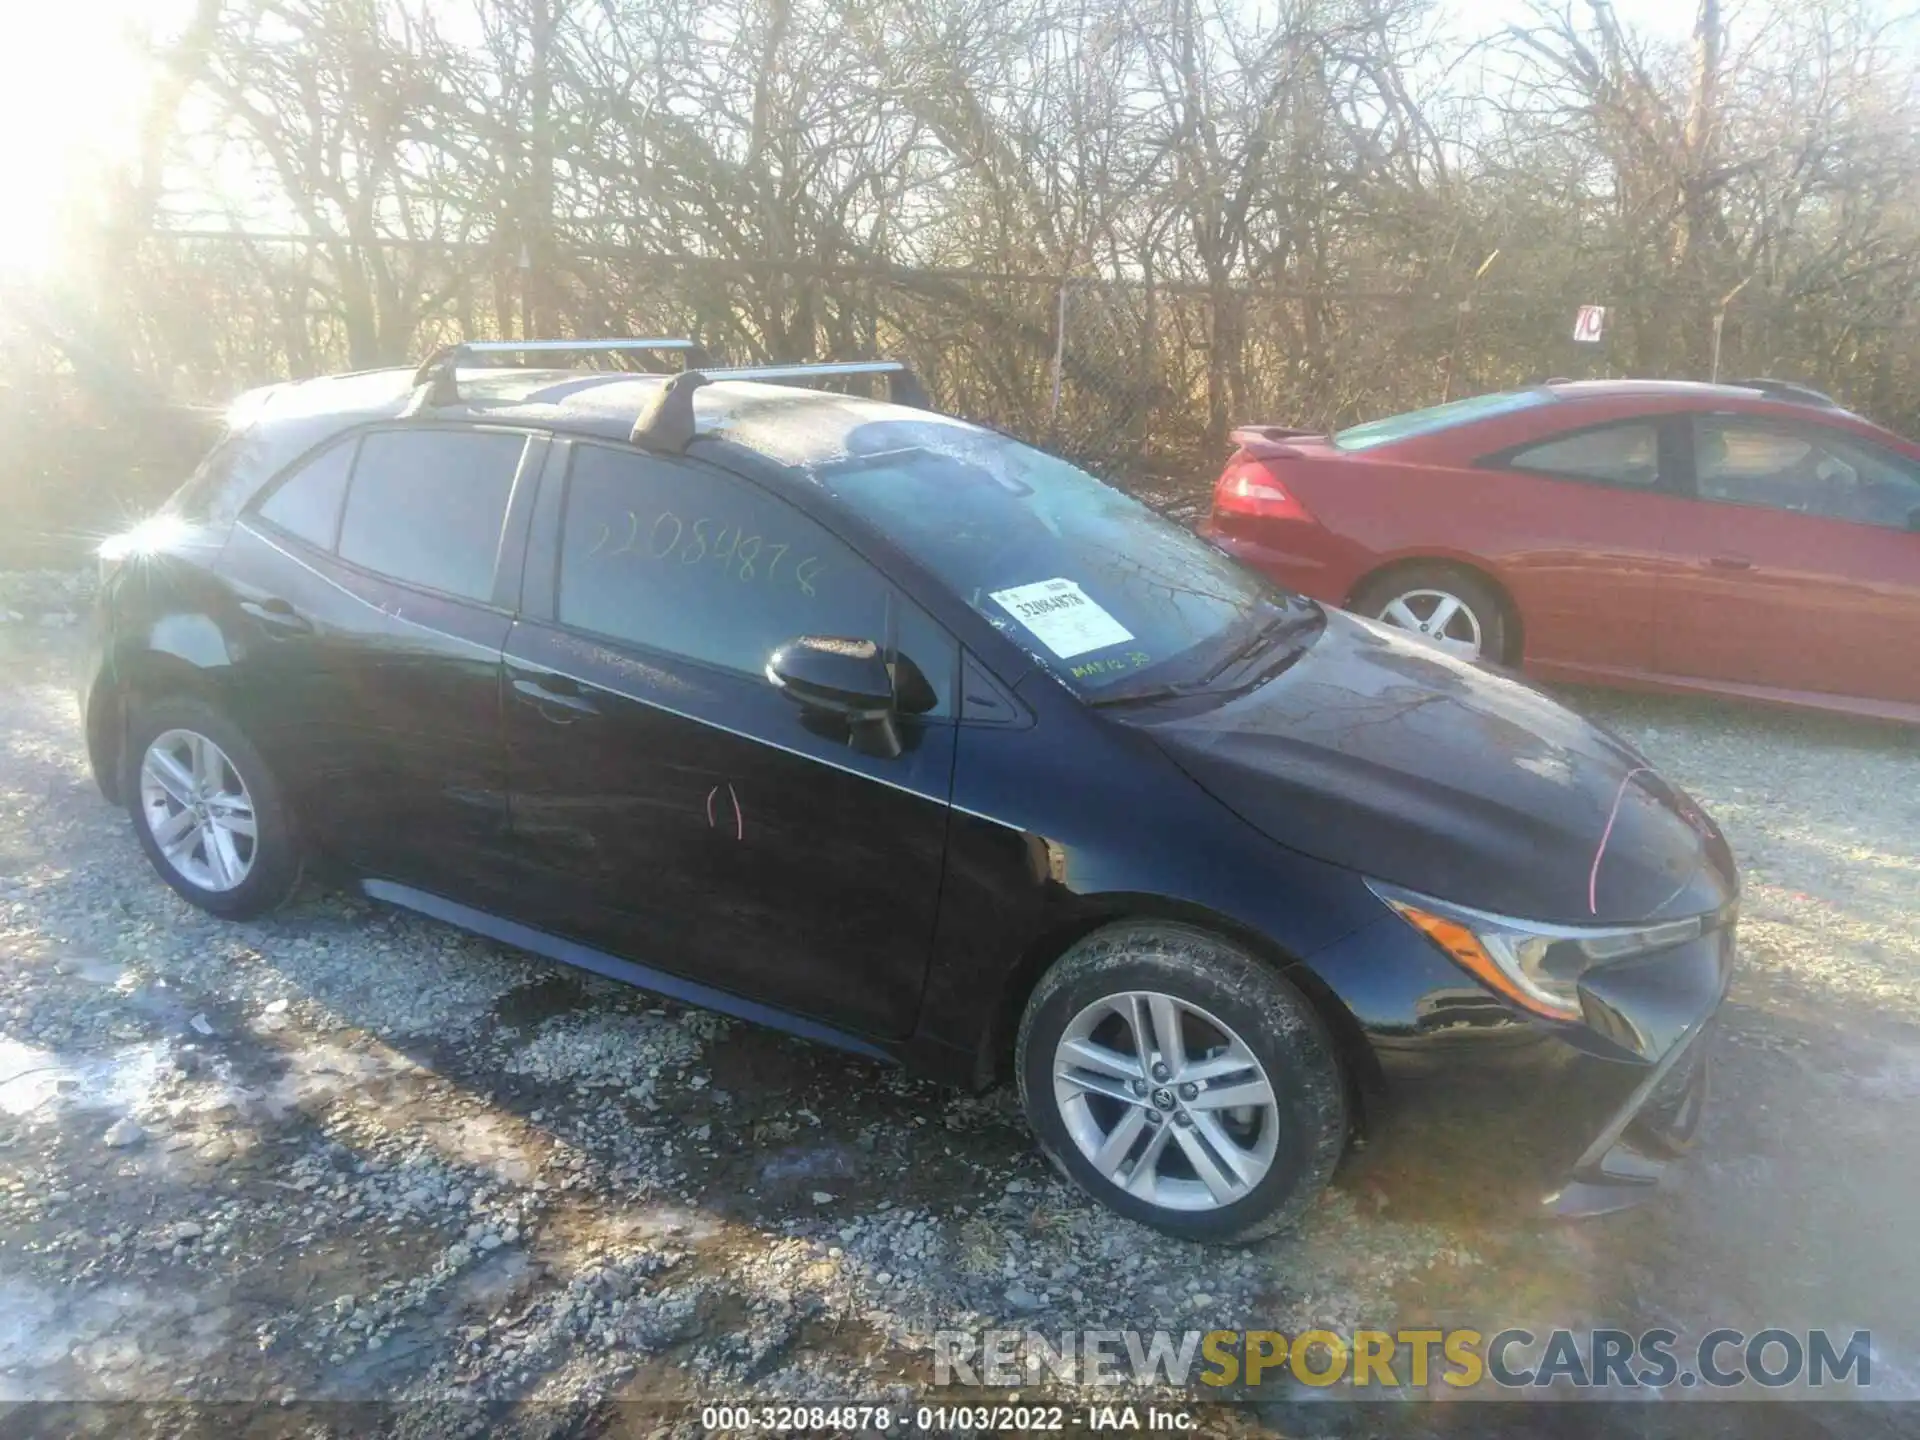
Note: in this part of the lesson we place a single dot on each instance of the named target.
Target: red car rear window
(1437, 417)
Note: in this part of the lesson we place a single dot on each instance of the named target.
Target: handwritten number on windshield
(747, 558)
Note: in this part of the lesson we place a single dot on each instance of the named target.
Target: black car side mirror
(832, 675)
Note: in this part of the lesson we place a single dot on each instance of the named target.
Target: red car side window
(1747, 462)
(1624, 454)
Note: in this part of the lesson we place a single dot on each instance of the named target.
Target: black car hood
(1377, 752)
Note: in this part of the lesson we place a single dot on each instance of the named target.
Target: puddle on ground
(1897, 1079)
(33, 1080)
(111, 1342)
(812, 1162)
(93, 969)
(318, 1072)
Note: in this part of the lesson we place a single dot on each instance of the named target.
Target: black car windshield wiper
(1142, 695)
(1256, 643)
(1263, 636)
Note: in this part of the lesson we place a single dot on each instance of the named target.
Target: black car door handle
(1730, 562)
(556, 690)
(277, 614)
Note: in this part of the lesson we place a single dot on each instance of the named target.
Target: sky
(72, 76)
(70, 82)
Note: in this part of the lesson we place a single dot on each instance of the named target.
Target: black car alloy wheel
(1182, 1081)
(208, 811)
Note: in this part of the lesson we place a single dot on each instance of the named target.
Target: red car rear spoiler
(1269, 440)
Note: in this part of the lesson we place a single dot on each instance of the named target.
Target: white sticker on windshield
(1061, 617)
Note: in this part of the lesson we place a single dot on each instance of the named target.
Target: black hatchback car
(869, 723)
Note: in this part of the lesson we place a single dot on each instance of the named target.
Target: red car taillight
(1249, 487)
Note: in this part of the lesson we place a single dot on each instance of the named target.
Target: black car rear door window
(426, 506)
(696, 563)
(306, 504)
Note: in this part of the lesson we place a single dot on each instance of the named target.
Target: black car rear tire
(1237, 1024)
(243, 875)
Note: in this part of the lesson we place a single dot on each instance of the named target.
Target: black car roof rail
(666, 422)
(1789, 390)
(437, 382)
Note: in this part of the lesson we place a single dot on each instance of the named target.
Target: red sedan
(1753, 539)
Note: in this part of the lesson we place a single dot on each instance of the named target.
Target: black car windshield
(1108, 595)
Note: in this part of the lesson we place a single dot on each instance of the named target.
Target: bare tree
(1124, 227)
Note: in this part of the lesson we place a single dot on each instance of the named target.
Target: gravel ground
(352, 1154)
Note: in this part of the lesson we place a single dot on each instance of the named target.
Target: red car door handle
(1731, 562)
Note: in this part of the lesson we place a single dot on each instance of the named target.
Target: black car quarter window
(426, 506)
(1807, 471)
(306, 504)
(696, 563)
(1627, 454)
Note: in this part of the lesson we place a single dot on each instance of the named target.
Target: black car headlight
(1536, 966)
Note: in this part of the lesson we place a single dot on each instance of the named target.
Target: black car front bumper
(1473, 1100)
(1654, 1126)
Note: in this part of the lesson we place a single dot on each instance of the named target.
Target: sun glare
(70, 84)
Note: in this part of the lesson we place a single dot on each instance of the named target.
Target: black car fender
(179, 653)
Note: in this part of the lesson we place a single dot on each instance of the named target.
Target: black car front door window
(698, 564)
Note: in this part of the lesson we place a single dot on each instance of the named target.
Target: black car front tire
(236, 790)
(1237, 1029)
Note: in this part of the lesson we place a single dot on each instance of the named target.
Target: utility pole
(537, 223)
